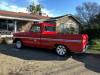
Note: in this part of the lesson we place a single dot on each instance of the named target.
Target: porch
(8, 26)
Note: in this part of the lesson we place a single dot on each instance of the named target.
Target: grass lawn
(96, 44)
(94, 47)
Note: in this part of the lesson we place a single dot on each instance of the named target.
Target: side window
(35, 29)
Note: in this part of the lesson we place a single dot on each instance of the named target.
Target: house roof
(30, 17)
(19, 15)
(69, 15)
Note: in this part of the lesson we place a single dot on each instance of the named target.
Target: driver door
(35, 35)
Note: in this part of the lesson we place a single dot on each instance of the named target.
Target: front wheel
(18, 44)
(61, 50)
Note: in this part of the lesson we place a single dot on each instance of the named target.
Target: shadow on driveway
(31, 53)
(90, 60)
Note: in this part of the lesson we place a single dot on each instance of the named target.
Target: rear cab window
(50, 28)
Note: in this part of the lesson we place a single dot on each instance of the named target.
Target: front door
(35, 35)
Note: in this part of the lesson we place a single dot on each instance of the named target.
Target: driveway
(33, 61)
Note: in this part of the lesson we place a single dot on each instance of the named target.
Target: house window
(62, 27)
(10, 26)
(3, 26)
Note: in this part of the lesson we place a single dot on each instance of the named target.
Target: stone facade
(67, 24)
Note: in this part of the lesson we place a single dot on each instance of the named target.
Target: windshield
(35, 28)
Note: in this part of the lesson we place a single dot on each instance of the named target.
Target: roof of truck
(43, 24)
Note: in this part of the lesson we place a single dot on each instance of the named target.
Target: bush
(92, 33)
(8, 40)
(1, 40)
(95, 44)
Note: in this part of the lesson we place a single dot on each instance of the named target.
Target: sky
(50, 7)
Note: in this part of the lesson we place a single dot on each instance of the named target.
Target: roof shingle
(21, 15)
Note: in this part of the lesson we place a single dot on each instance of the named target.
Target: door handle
(35, 40)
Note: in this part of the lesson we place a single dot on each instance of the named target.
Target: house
(16, 22)
(66, 24)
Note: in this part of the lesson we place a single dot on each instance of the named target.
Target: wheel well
(16, 39)
(63, 45)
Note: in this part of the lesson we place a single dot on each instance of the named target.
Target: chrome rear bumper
(86, 47)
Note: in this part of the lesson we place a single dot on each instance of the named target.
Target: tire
(18, 44)
(61, 50)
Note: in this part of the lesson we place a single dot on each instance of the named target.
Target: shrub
(1, 40)
(92, 33)
(8, 40)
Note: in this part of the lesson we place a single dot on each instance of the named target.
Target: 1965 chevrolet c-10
(44, 35)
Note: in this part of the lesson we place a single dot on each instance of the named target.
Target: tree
(38, 9)
(34, 9)
(96, 21)
(87, 11)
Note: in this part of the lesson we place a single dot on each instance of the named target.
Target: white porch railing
(4, 34)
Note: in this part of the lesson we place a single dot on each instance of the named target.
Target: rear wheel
(61, 50)
(18, 44)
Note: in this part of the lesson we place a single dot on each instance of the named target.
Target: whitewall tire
(18, 44)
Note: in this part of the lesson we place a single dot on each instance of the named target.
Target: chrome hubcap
(18, 44)
(61, 50)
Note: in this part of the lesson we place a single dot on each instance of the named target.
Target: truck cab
(43, 28)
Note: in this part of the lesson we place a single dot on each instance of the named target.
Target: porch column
(7, 24)
(15, 26)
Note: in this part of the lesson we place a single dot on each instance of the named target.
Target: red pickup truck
(44, 35)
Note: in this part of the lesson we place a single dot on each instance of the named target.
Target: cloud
(6, 6)
(3, 5)
(35, 1)
(15, 8)
(13, 0)
(48, 12)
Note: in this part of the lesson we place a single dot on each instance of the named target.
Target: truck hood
(20, 34)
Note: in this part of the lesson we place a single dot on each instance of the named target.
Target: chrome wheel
(61, 50)
(18, 44)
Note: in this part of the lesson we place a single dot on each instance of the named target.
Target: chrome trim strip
(50, 39)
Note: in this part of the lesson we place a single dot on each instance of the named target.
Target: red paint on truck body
(48, 39)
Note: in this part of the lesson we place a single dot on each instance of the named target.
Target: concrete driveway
(32, 61)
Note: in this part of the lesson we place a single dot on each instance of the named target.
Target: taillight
(85, 40)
